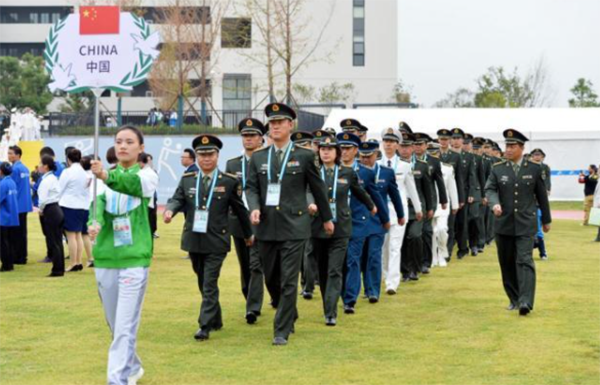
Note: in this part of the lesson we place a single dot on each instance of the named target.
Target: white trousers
(122, 294)
(439, 243)
(392, 256)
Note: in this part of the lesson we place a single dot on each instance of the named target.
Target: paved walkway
(568, 214)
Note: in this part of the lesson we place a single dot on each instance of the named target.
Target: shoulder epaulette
(192, 173)
(499, 163)
(434, 156)
(422, 161)
(261, 149)
(236, 158)
(229, 175)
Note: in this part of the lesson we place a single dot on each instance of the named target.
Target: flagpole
(97, 93)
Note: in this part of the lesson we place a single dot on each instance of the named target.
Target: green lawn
(448, 328)
(567, 205)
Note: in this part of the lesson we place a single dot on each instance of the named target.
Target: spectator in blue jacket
(9, 217)
(20, 175)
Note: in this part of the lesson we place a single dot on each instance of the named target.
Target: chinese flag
(98, 20)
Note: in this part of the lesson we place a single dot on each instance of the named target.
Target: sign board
(100, 48)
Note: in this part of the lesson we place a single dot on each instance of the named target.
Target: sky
(447, 44)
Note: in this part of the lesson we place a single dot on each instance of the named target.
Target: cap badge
(348, 122)
(205, 140)
(299, 136)
(346, 136)
(275, 108)
(509, 134)
(249, 123)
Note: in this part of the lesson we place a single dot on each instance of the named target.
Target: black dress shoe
(413, 277)
(544, 257)
(462, 254)
(45, 260)
(251, 318)
(447, 259)
(279, 341)
(201, 335)
(511, 307)
(524, 309)
(72, 269)
(307, 295)
(425, 270)
(330, 321)
(474, 252)
(90, 264)
(405, 278)
(349, 309)
(373, 299)
(53, 274)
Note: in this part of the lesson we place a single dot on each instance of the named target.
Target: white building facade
(358, 45)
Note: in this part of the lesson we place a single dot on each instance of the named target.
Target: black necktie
(205, 184)
(389, 163)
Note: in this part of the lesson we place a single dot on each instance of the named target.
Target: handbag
(595, 216)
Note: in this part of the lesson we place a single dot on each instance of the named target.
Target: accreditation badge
(122, 232)
(200, 221)
(333, 207)
(273, 194)
(245, 200)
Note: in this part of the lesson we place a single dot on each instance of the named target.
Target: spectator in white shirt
(145, 161)
(51, 215)
(75, 203)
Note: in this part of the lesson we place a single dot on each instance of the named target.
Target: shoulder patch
(499, 163)
(229, 175)
(433, 156)
(261, 149)
(187, 174)
(236, 158)
(422, 161)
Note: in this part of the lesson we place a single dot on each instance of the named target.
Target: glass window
(359, 60)
(237, 98)
(359, 48)
(359, 12)
(45, 18)
(55, 17)
(34, 18)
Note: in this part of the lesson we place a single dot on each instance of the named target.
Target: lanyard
(285, 160)
(244, 172)
(212, 188)
(413, 162)
(335, 181)
(377, 172)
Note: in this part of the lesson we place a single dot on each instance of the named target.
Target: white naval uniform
(394, 237)
(439, 243)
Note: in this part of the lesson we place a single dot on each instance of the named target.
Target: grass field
(567, 205)
(448, 328)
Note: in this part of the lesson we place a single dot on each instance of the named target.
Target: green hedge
(187, 129)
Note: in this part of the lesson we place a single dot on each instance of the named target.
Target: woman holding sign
(123, 250)
(331, 250)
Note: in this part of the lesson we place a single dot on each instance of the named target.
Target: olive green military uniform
(487, 236)
(518, 194)
(469, 183)
(284, 229)
(412, 247)
(331, 250)
(250, 268)
(476, 209)
(548, 176)
(453, 159)
(208, 250)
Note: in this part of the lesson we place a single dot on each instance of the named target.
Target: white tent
(570, 137)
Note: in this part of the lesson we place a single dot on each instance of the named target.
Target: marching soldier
(276, 186)
(208, 196)
(468, 183)
(490, 159)
(331, 250)
(473, 220)
(391, 139)
(453, 159)
(514, 190)
(252, 132)
(412, 247)
(350, 126)
(438, 191)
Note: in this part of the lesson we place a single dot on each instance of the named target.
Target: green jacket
(519, 197)
(234, 167)
(130, 192)
(227, 194)
(290, 219)
(453, 159)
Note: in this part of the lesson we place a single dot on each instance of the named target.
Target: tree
(584, 95)
(24, 83)
(336, 93)
(461, 98)
(294, 44)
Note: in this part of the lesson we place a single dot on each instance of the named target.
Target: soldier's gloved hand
(497, 210)
(167, 216)
(255, 217)
(329, 227)
(250, 241)
(546, 228)
(419, 215)
(402, 221)
(312, 209)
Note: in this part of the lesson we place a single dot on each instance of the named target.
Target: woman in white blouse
(75, 202)
(51, 215)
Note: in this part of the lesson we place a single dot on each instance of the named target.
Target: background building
(356, 49)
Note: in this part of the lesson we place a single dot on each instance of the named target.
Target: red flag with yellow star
(98, 20)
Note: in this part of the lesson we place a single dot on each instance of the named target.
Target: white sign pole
(97, 93)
